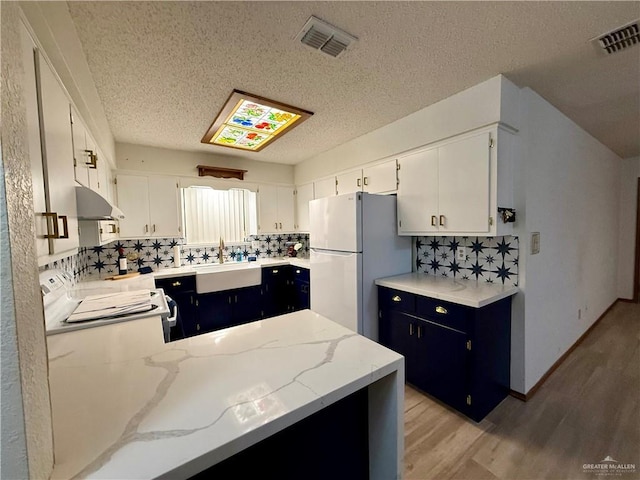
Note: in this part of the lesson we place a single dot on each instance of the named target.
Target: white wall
(488, 102)
(629, 174)
(57, 35)
(183, 163)
(571, 198)
(25, 398)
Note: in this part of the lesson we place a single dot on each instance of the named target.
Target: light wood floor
(586, 410)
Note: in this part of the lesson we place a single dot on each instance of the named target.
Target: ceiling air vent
(619, 39)
(322, 36)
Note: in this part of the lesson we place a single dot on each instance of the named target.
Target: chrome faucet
(221, 251)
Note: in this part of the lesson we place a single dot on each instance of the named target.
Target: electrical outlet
(461, 253)
(535, 243)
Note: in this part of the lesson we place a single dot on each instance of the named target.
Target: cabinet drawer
(444, 313)
(176, 284)
(301, 274)
(396, 300)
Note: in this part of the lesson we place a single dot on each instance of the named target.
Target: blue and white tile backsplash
(488, 259)
(157, 253)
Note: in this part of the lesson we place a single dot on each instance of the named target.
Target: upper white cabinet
(275, 209)
(90, 165)
(452, 188)
(324, 188)
(151, 205)
(379, 178)
(304, 194)
(51, 151)
(349, 182)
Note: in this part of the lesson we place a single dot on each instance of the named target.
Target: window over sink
(211, 214)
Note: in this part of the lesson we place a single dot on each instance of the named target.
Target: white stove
(67, 309)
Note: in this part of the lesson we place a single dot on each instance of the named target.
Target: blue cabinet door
(302, 293)
(247, 304)
(277, 290)
(442, 363)
(398, 331)
(214, 312)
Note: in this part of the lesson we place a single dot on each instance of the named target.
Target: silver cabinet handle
(146, 228)
(281, 226)
(442, 219)
(113, 228)
(276, 225)
(359, 183)
(366, 180)
(434, 221)
(93, 159)
(419, 331)
(154, 228)
(411, 329)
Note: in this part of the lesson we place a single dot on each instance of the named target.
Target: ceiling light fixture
(250, 122)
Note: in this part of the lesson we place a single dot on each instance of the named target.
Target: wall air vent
(619, 39)
(322, 36)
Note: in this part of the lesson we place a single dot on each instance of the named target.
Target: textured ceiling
(164, 69)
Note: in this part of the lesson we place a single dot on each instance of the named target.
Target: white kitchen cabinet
(94, 233)
(452, 187)
(35, 153)
(56, 147)
(324, 188)
(91, 167)
(84, 153)
(151, 206)
(303, 194)
(379, 178)
(275, 209)
(349, 182)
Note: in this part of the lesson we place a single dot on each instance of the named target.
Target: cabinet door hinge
(490, 221)
(115, 181)
(469, 345)
(295, 192)
(468, 399)
(177, 185)
(491, 143)
(379, 313)
(398, 166)
(400, 223)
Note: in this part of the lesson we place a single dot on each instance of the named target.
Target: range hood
(93, 206)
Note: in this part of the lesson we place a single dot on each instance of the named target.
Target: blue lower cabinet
(457, 354)
(302, 295)
(228, 308)
(277, 291)
(214, 312)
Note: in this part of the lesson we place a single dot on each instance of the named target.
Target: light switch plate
(535, 243)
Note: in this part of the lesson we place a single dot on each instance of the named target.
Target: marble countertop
(127, 405)
(465, 292)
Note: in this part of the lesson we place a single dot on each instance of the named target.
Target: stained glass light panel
(250, 123)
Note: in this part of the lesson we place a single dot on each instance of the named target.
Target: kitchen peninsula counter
(127, 405)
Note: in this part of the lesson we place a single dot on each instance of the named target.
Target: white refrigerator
(354, 241)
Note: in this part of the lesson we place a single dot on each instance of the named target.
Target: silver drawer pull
(396, 298)
(441, 310)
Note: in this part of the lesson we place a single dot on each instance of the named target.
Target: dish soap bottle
(238, 255)
(122, 262)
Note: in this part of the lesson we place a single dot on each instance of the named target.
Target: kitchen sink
(217, 277)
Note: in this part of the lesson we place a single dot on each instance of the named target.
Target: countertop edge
(448, 297)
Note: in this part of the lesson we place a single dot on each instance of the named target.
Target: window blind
(211, 214)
